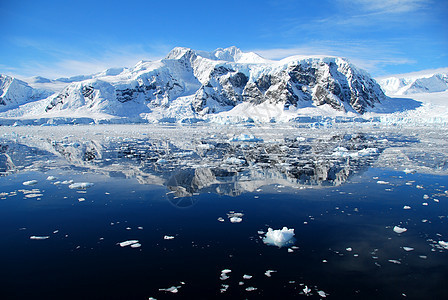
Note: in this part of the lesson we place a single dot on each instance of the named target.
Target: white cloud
(389, 6)
(55, 60)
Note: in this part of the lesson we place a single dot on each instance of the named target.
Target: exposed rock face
(219, 80)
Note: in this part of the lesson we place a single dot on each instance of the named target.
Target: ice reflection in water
(202, 163)
(320, 182)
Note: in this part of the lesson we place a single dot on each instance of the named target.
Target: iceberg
(30, 182)
(398, 229)
(280, 237)
(80, 185)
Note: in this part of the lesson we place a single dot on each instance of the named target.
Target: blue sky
(65, 38)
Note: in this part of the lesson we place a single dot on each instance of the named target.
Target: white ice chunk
(394, 261)
(236, 219)
(128, 243)
(382, 182)
(168, 237)
(281, 237)
(245, 276)
(398, 229)
(251, 289)
(268, 273)
(51, 178)
(349, 249)
(81, 199)
(407, 249)
(234, 161)
(406, 207)
(409, 171)
(33, 195)
(322, 294)
(136, 245)
(224, 273)
(368, 152)
(80, 185)
(224, 288)
(35, 237)
(306, 290)
(245, 138)
(30, 182)
(173, 289)
(443, 244)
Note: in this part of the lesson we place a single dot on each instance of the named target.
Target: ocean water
(175, 190)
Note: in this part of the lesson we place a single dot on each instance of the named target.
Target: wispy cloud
(55, 60)
(389, 6)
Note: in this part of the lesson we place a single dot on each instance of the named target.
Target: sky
(72, 37)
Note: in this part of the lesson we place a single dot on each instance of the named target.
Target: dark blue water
(82, 260)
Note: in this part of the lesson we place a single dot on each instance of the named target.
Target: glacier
(225, 86)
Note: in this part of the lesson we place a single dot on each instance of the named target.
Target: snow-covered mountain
(15, 92)
(432, 81)
(189, 82)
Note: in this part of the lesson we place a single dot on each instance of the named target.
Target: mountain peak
(179, 52)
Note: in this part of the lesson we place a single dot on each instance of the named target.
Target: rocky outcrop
(220, 80)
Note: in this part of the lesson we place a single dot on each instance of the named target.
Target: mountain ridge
(192, 84)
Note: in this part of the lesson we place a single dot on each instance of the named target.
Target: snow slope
(226, 86)
(196, 84)
(14, 92)
(431, 81)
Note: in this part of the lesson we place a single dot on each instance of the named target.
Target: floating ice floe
(234, 161)
(409, 171)
(245, 138)
(136, 245)
(168, 237)
(67, 182)
(268, 273)
(443, 244)
(128, 243)
(322, 294)
(251, 289)
(81, 199)
(224, 273)
(51, 178)
(394, 261)
(306, 290)
(245, 276)
(33, 195)
(407, 249)
(80, 185)
(406, 207)
(398, 229)
(382, 182)
(235, 217)
(224, 288)
(30, 182)
(36, 237)
(280, 237)
(173, 289)
(221, 219)
(368, 152)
